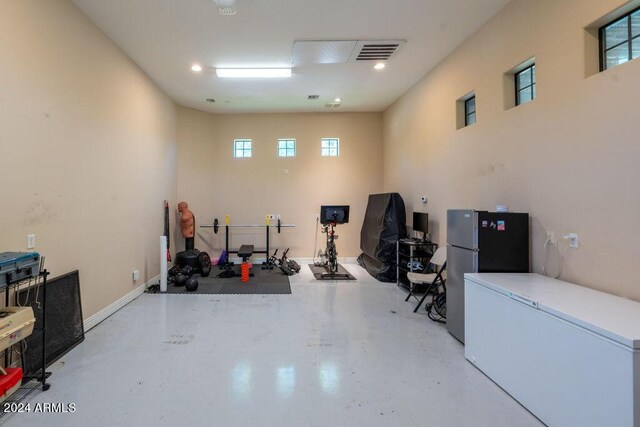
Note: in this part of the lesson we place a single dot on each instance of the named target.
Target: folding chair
(439, 259)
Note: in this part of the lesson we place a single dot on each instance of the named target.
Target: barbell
(216, 225)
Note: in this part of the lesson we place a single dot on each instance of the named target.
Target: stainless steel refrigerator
(481, 242)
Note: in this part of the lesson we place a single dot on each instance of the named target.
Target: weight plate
(205, 264)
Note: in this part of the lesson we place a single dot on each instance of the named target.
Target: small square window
(470, 111)
(287, 147)
(620, 40)
(241, 148)
(330, 147)
(525, 85)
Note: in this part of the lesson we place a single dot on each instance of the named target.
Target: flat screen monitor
(336, 214)
(421, 222)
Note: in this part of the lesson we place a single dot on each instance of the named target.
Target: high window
(241, 148)
(620, 40)
(526, 85)
(470, 111)
(330, 147)
(287, 147)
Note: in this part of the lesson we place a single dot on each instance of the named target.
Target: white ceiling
(165, 37)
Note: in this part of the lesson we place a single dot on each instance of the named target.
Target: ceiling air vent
(313, 96)
(309, 52)
(226, 7)
(376, 50)
(333, 105)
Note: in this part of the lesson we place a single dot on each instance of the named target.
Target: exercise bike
(330, 216)
(331, 254)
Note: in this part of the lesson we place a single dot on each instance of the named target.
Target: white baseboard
(95, 320)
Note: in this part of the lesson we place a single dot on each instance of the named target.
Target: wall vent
(227, 11)
(376, 50)
(310, 52)
(226, 7)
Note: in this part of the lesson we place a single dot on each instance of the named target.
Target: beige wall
(215, 184)
(89, 150)
(87, 144)
(570, 158)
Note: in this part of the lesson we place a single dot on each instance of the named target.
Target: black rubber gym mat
(264, 282)
(343, 274)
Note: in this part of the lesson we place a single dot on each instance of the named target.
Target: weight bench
(245, 252)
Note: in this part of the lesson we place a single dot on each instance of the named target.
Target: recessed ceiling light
(196, 67)
(338, 100)
(379, 66)
(253, 72)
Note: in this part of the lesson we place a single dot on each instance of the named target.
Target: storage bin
(16, 323)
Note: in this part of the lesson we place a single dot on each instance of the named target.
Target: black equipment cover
(384, 224)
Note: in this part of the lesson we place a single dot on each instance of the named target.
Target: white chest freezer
(569, 354)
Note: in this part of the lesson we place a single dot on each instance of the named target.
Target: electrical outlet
(317, 217)
(573, 240)
(271, 217)
(31, 241)
(136, 275)
(551, 237)
(278, 217)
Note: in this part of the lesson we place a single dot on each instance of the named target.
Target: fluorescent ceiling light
(253, 72)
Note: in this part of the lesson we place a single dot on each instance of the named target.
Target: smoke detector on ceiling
(226, 7)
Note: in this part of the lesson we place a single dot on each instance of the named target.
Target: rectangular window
(526, 85)
(241, 148)
(470, 111)
(287, 147)
(330, 147)
(620, 40)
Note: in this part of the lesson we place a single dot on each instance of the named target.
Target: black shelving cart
(31, 381)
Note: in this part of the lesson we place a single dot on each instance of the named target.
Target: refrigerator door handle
(475, 262)
(475, 231)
